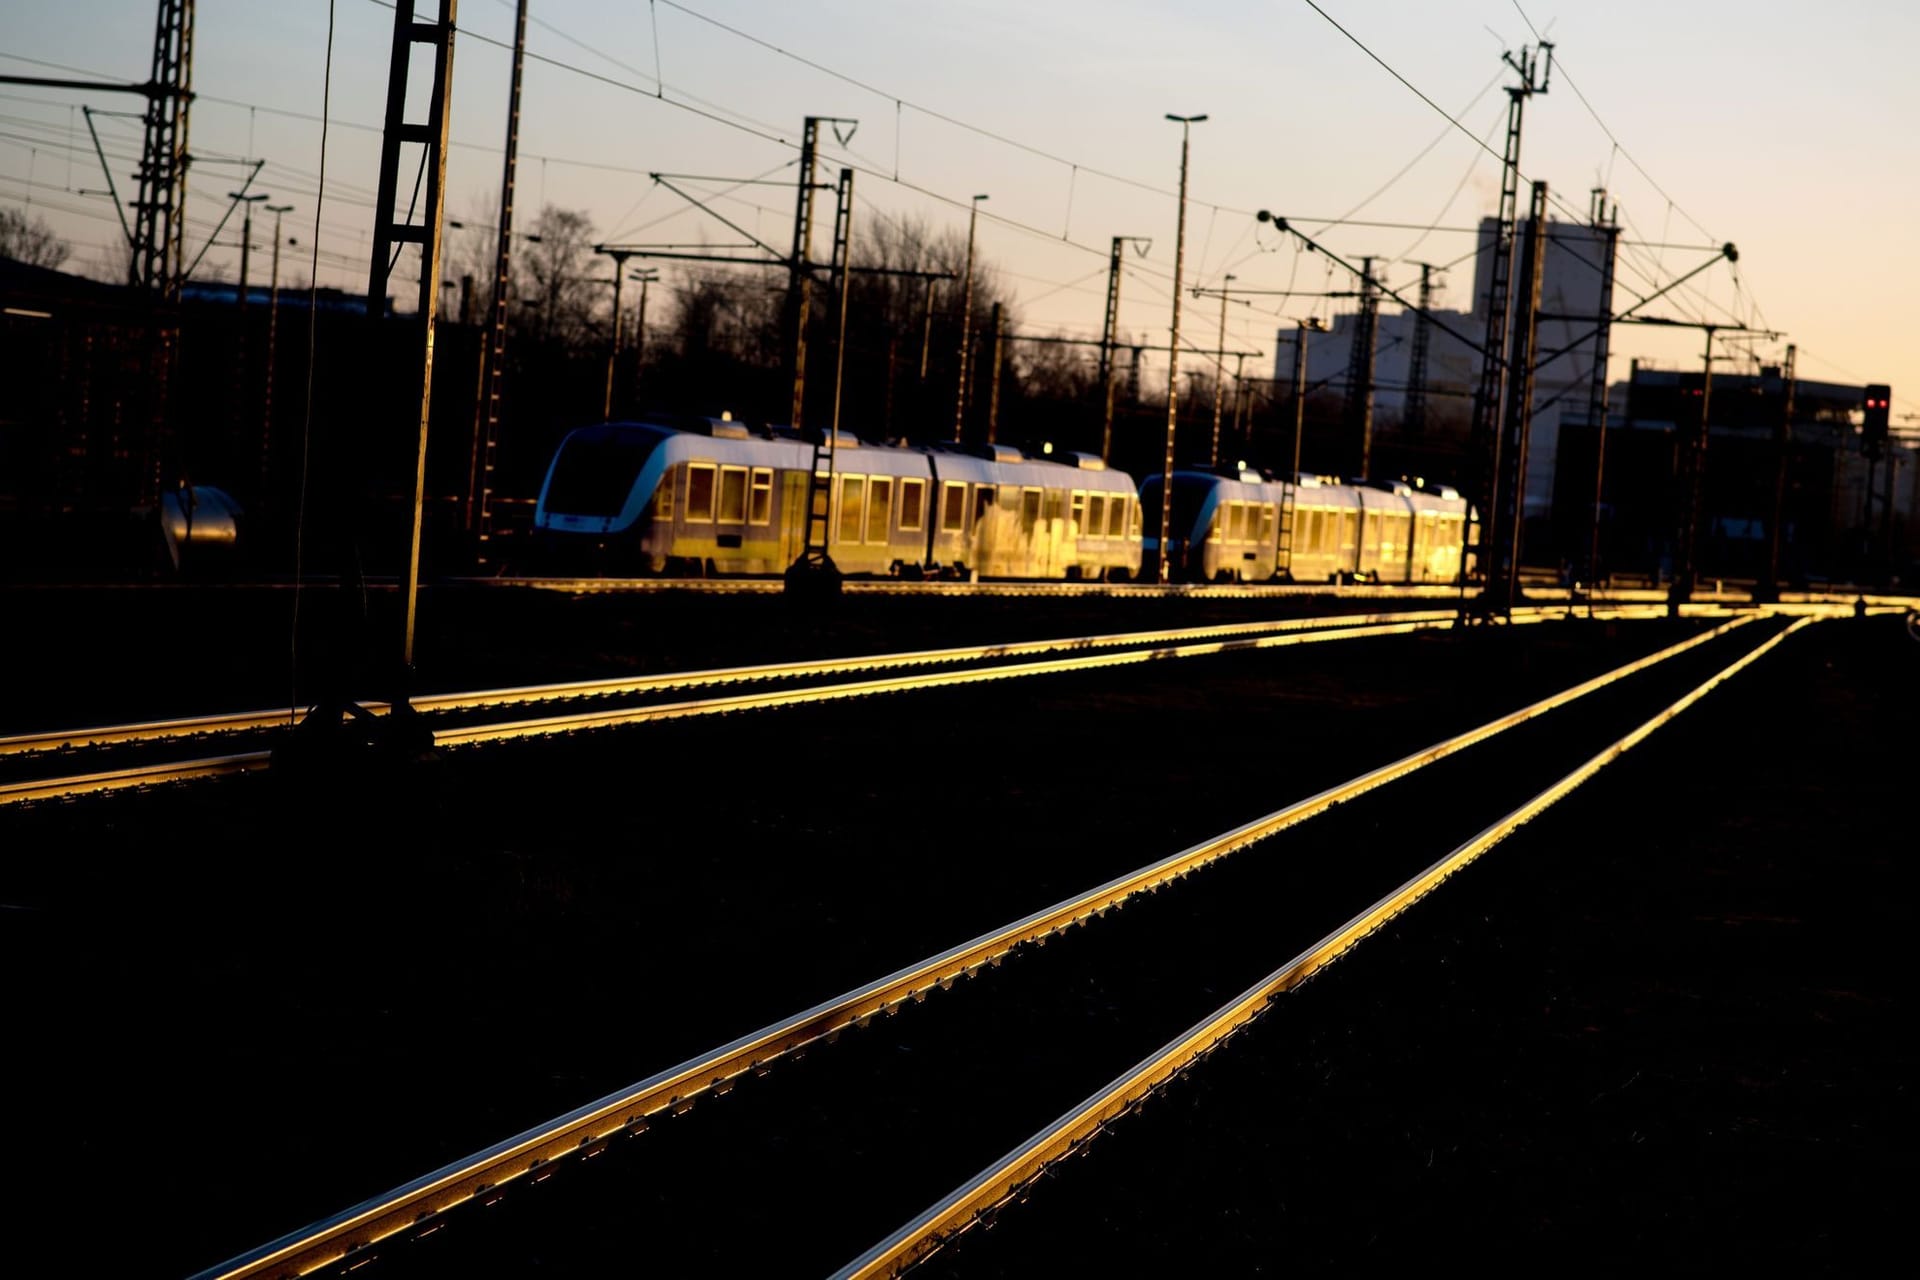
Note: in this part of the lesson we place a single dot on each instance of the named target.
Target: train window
(1056, 505)
(1116, 516)
(853, 491)
(913, 496)
(1237, 522)
(953, 507)
(1029, 509)
(663, 496)
(1349, 526)
(1077, 513)
(1096, 515)
(760, 501)
(1316, 527)
(982, 503)
(733, 495)
(879, 507)
(1373, 530)
(1133, 517)
(1265, 534)
(700, 492)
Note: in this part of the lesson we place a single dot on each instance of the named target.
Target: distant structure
(1571, 286)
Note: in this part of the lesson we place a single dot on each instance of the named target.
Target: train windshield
(1188, 493)
(596, 468)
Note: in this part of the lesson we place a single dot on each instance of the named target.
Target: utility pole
(1782, 448)
(160, 207)
(1186, 124)
(646, 276)
(246, 235)
(1609, 227)
(619, 257)
(993, 391)
(842, 257)
(486, 424)
(1693, 465)
(1240, 429)
(926, 328)
(1502, 559)
(273, 326)
(1490, 401)
(1220, 372)
(1414, 416)
(1300, 392)
(966, 326)
(1359, 414)
(322, 734)
(1110, 341)
(799, 265)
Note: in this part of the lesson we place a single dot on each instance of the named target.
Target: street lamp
(1173, 349)
(966, 326)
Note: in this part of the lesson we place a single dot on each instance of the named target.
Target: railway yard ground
(1663, 1022)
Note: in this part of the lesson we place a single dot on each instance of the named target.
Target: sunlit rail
(1162, 645)
(415, 1207)
(253, 721)
(1007, 1177)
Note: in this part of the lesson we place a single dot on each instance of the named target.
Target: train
(701, 497)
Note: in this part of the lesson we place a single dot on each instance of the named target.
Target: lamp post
(1173, 350)
(966, 325)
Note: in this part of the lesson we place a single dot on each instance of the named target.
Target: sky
(1791, 130)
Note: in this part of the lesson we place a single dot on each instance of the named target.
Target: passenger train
(706, 496)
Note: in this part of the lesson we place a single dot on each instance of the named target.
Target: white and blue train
(709, 496)
(1244, 526)
(705, 496)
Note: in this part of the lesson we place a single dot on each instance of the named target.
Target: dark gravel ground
(800, 1171)
(1667, 1027)
(202, 956)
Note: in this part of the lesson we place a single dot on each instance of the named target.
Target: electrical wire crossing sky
(1786, 129)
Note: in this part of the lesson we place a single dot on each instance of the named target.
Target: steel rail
(417, 1204)
(574, 722)
(255, 721)
(1005, 1179)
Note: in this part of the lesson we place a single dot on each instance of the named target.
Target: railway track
(420, 1209)
(483, 716)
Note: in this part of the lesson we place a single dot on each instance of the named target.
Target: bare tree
(560, 296)
(31, 240)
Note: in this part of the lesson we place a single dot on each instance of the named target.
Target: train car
(711, 496)
(1241, 525)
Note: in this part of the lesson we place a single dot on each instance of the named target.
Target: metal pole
(993, 391)
(966, 327)
(1220, 373)
(1597, 402)
(613, 350)
(1299, 395)
(801, 267)
(1783, 446)
(273, 326)
(246, 238)
(926, 330)
(1186, 124)
(486, 419)
(1693, 461)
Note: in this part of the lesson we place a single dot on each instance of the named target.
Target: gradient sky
(1790, 129)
